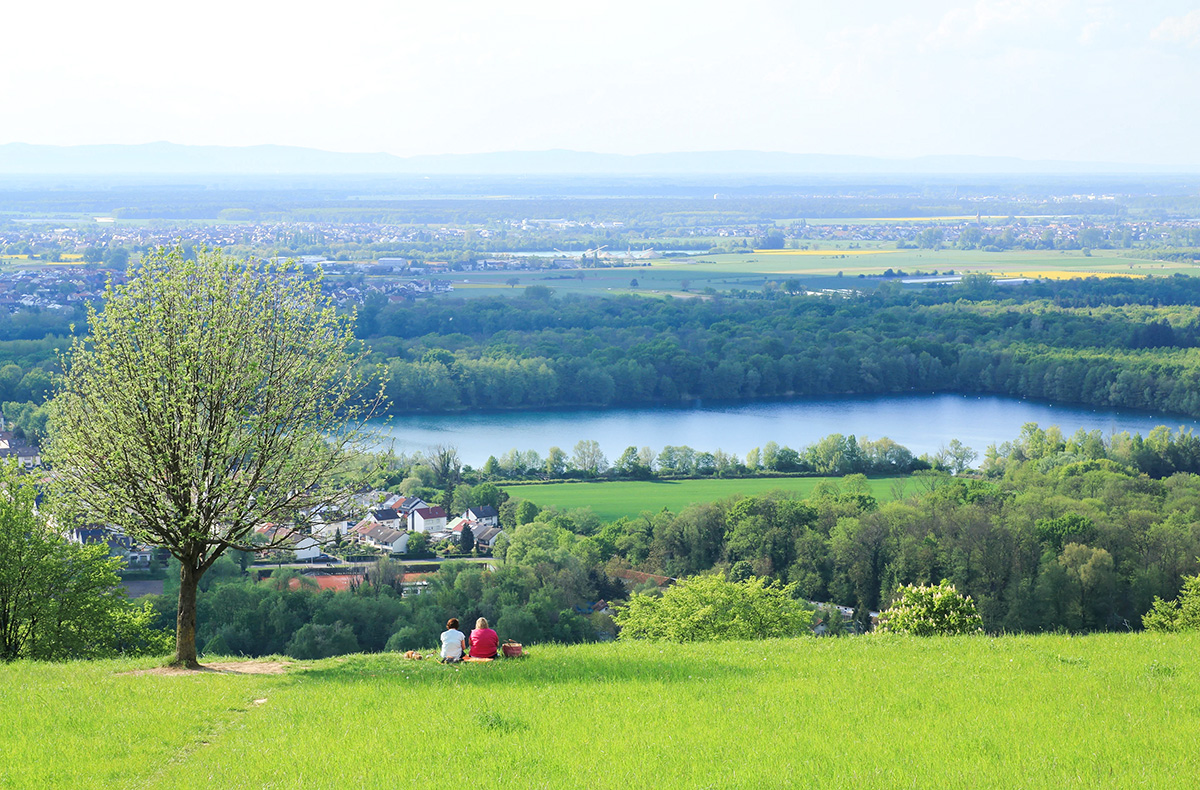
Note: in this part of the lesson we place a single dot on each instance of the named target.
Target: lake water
(922, 423)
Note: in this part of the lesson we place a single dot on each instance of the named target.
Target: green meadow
(612, 500)
(869, 712)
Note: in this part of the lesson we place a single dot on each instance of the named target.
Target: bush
(709, 608)
(322, 641)
(1182, 614)
(931, 610)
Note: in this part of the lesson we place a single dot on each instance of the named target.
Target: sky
(1105, 81)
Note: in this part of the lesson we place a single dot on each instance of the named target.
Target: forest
(1116, 342)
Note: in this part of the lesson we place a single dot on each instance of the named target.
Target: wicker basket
(512, 649)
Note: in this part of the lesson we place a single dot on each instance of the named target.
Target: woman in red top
(484, 641)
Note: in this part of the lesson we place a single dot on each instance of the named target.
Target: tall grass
(1050, 711)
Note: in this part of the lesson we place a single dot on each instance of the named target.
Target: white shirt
(452, 642)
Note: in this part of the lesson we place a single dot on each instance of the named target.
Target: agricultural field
(1052, 711)
(612, 500)
(813, 269)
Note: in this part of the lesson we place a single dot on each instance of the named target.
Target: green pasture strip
(1115, 710)
(612, 500)
(92, 725)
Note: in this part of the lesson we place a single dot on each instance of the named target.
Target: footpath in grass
(1048, 711)
(611, 500)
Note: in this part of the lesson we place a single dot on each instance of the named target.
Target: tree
(707, 608)
(588, 457)
(556, 462)
(60, 600)
(488, 495)
(513, 282)
(1182, 614)
(229, 395)
(466, 540)
(526, 512)
(931, 610)
(960, 456)
(445, 463)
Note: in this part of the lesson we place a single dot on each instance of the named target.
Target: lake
(922, 423)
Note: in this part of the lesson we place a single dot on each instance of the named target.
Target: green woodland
(1120, 342)
(1114, 342)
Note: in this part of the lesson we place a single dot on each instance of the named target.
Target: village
(336, 552)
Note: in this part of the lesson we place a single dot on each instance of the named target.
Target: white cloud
(1179, 29)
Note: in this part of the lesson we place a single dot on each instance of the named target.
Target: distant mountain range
(170, 158)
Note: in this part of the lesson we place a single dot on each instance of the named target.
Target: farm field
(814, 269)
(1054, 711)
(612, 500)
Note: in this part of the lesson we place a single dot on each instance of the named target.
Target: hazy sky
(1111, 81)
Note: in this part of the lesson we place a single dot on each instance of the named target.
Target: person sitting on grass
(454, 642)
(484, 641)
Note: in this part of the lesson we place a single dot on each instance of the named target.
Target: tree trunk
(185, 622)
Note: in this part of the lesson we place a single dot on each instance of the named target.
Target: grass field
(869, 712)
(612, 500)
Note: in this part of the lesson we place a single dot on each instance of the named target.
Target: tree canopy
(60, 600)
(931, 610)
(708, 608)
(212, 398)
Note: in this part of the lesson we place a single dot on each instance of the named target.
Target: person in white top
(454, 642)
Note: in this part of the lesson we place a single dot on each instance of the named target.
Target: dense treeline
(1059, 534)
(546, 601)
(1115, 342)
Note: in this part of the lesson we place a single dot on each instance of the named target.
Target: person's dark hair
(452, 623)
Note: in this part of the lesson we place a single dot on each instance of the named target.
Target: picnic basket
(512, 649)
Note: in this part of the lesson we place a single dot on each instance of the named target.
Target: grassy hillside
(612, 500)
(1050, 711)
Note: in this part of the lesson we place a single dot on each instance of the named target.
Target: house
(388, 517)
(367, 497)
(88, 535)
(304, 547)
(405, 505)
(27, 455)
(359, 530)
(487, 536)
(329, 530)
(484, 514)
(428, 519)
(393, 540)
(456, 526)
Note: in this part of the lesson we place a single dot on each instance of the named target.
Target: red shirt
(484, 643)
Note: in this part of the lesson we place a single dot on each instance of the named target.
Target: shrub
(931, 610)
(1182, 614)
(709, 608)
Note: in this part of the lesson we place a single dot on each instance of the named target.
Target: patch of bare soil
(226, 667)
